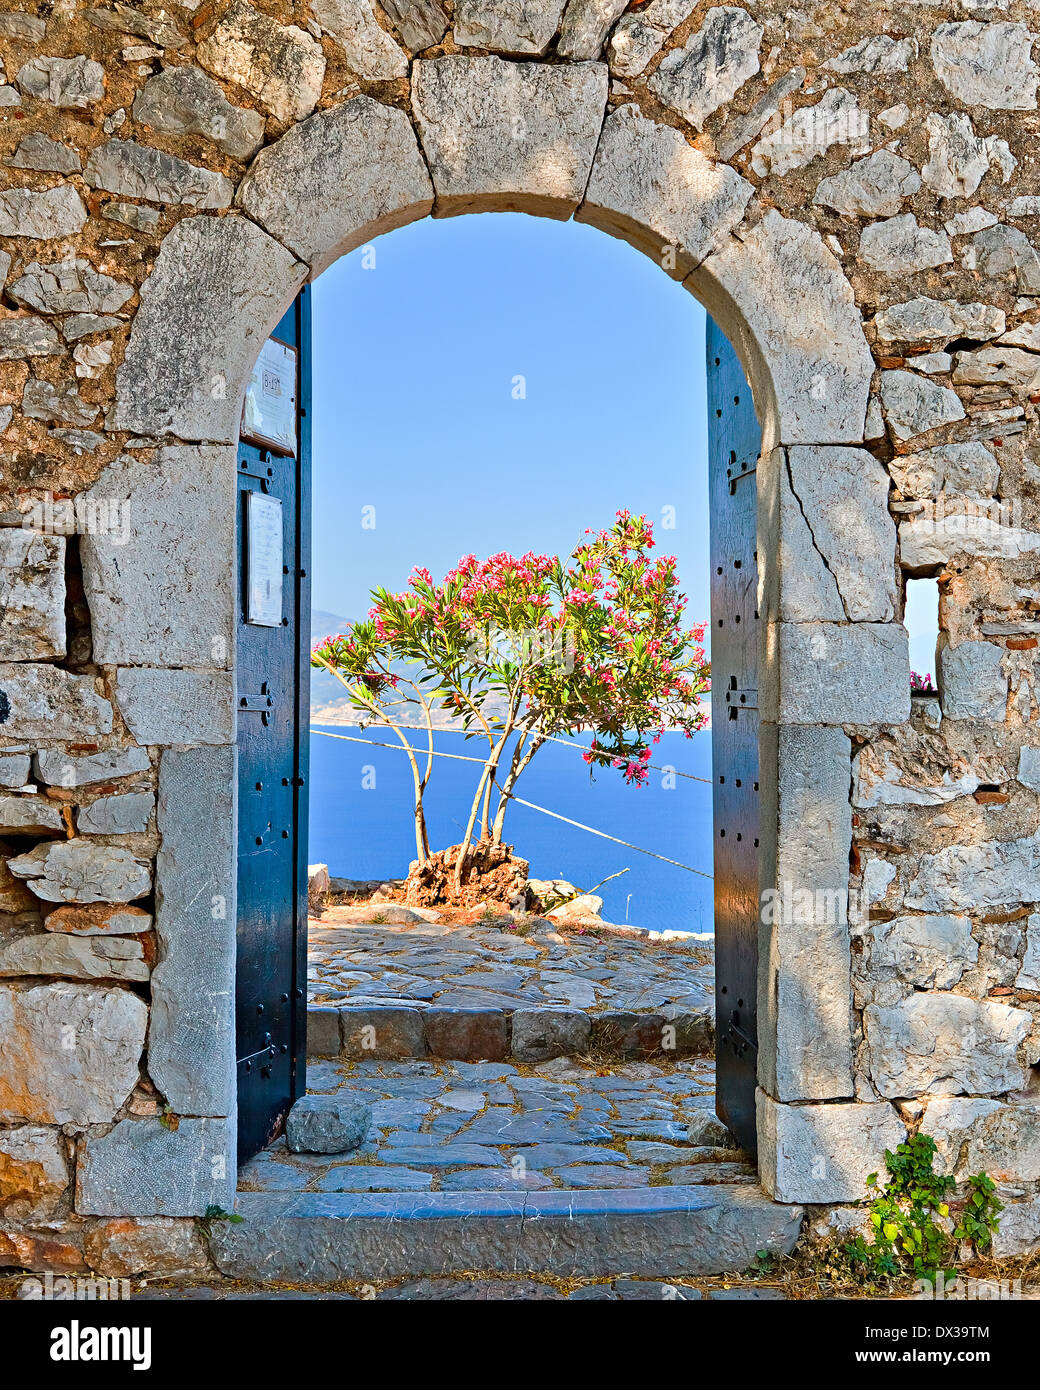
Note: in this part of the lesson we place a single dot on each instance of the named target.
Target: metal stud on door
(733, 447)
(273, 694)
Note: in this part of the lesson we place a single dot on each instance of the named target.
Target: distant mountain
(324, 624)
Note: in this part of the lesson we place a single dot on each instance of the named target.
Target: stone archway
(163, 609)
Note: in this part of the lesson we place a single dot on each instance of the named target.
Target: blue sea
(361, 820)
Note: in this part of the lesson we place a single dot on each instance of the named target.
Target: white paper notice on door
(263, 560)
(269, 408)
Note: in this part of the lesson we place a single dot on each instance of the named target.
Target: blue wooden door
(273, 680)
(733, 446)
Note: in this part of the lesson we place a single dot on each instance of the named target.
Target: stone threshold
(315, 1238)
(398, 1033)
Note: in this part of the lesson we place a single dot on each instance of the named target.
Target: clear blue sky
(414, 409)
(415, 415)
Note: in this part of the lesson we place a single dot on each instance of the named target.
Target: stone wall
(852, 191)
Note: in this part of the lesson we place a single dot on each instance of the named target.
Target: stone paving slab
(484, 991)
(318, 1238)
(452, 1126)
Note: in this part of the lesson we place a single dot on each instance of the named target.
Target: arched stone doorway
(834, 652)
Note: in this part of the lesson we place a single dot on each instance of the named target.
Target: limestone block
(874, 187)
(823, 1153)
(927, 541)
(46, 703)
(123, 814)
(828, 673)
(650, 187)
(1019, 1229)
(810, 131)
(14, 769)
(43, 216)
(34, 1173)
(992, 873)
(711, 68)
(805, 993)
(965, 470)
(323, 1032)
(974, 1135)
(520, 27)
(66, 82)
(191, 1038)
(1029, 767)
(185, 101)
(74, 957)
(217, 288)
(1005, 250)
(60, 769)
(539, 1034)
(16, 24)
(370, 51)
(987, 65)
(173, 708)
(1003, 366)
(39, 151)
(843, 495)
(508, 137)
(795, 583)
(161, 590)
(339, 179)
(641, 35)
(32, 595)
(936, 321)
(901, 246)
(930, 951)
(904, 770)
(421, 23)
(811, 375)
(30, 815)
(27, 337)
(43, 400)
(138, 171)
(1028, 977)
(99, 919)
(160, 1246)
(77, 871)
(913, 404)
(945, 1044)
(142, 1168)
(972, 681)
(958, 160)
(471, 1035)
(327, 1124)
(373, 1034)
(876, 54)
(586, 24)
(280, 65)
(69, 1053)
(70, 286)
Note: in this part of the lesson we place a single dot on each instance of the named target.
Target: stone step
(403, 1033)
(314, 1238)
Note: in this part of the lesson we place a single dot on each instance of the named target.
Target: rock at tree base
(491, 875)
(327, 1125)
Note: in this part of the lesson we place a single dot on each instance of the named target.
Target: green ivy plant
(913, 1231)
(215, 1213)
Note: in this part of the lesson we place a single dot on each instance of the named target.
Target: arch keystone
(784, 303)
(651, 188)
(508, 137)
(338, 179)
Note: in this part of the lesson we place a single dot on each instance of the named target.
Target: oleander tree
(522, 650)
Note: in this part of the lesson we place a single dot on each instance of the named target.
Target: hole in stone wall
(921, 617)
